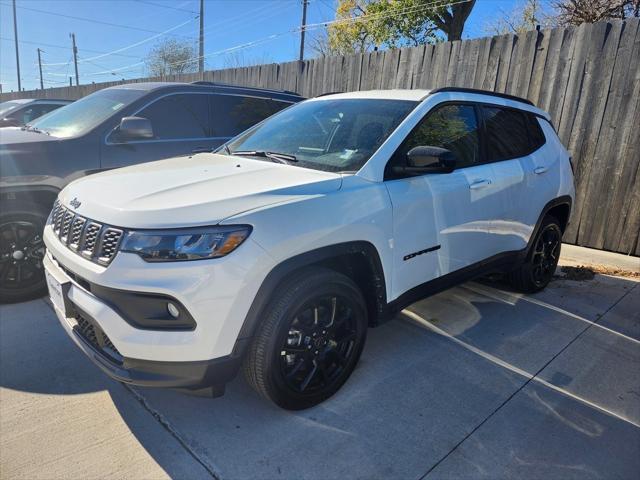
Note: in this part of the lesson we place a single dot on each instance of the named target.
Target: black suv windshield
(81, 116)
(330, 135)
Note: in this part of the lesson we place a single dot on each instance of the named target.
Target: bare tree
(525, 16)
(575, 12)
(171, 57)
(238, 59)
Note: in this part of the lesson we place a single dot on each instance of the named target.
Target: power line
(166, 6)
(131, 45)
(83, 19)
(50, 45)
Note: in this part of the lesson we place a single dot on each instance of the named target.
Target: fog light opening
(173, 310)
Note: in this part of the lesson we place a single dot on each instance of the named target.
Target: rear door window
(233, 114)
(506, 133)
(180, 116)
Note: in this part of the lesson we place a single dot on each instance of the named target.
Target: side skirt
(501, 262)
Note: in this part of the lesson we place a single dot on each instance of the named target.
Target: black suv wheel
(21, 253)
(310, 340)
(536, 272)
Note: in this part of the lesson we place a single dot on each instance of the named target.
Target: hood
(15, 135)
(192, 191)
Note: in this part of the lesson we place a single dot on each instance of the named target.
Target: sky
(114, 36)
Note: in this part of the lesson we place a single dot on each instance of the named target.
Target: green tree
(362, 25)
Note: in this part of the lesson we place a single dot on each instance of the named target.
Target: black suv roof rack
(218, 84)
(482, 92)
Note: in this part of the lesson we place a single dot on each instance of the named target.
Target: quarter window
(536, 135)
(233, 114)
(179, 116)
(507, 135)
(454, 127)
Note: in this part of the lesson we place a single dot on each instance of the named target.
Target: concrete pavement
(474, 382)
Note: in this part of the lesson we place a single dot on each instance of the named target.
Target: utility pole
(201, 49)
(304, 26)
(40, 68)
(15, 33)
(75, 56)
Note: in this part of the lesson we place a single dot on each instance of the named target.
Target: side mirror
(132, 128)
(427, 159)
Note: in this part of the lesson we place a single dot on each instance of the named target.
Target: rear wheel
(310, 340)
(21, 253)
(537, 271)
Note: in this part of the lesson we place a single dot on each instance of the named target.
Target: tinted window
(507, 135)
(86, 113)
(28, 114)
(327, 134)
(536, 136)
(454, 127)
(178, 116)
(233, 114)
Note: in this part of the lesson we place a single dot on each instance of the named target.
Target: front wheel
(310, 340)
(538, 269)
(21, 253)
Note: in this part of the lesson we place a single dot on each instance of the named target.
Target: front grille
(97, 338)
(95, 241)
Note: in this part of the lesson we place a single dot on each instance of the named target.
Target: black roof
(149, 86)
(482, 92)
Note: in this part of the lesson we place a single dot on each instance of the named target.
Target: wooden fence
(586, 77)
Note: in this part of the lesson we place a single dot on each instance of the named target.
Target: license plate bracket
(58, 293)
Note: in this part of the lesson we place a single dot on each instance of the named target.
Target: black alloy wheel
(21, 252)
(309, 340)
(538, 269)
(320, 341)
(546, 253)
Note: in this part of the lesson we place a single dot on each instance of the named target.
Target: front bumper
(87, 334)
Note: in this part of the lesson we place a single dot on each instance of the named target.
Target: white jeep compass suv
(275, 254)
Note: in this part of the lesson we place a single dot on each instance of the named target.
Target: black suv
(110, 128)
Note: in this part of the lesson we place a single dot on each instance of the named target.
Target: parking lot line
(421, 321)
(512, 299)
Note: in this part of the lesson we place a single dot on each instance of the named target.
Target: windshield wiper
(31, 128)
(275, 156)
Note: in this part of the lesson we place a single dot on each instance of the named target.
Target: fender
(556, 202)
(282, 270)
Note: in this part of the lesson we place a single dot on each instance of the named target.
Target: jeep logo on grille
(75, 203)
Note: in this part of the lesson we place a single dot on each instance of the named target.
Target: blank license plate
(56, 293)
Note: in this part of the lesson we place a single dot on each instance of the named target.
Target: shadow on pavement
(414, 396)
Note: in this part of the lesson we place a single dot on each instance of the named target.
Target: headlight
(185, 244)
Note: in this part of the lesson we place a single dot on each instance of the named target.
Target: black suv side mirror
(132, 128)
(427, 159)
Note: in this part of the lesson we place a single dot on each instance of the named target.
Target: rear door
(181, 126)
(513, 145)
(442, 221)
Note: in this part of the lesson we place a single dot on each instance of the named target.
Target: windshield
(6, 106)
(330, 135)
(88, 112)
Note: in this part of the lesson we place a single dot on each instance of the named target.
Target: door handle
(202, 150)
(540, 170)
(479, 184)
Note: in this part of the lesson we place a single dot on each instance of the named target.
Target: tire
(21, 253)
(310, 340)
(535, 273)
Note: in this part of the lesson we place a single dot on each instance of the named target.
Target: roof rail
(218, 84)
(327, 93)
(482, 92)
